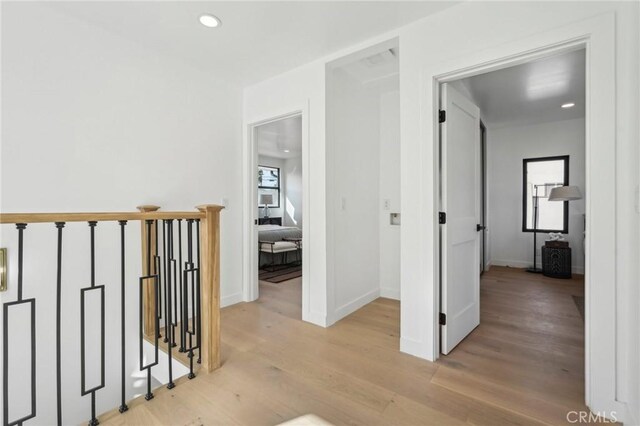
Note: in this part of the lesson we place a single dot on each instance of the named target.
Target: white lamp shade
(565, 193)
(266, 199)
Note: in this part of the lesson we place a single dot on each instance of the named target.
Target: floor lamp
(566, 193)
(559, 193)
(535, 269)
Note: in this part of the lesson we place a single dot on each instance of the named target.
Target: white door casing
(460, 200)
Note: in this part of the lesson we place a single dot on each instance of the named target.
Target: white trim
(521, 265)
(598, 36)
(232, 299)
(250, 288)
(354, 305)
(390, 293)
(413, 347)
(317, 318)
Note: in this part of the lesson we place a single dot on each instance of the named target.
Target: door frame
(250, 285)
(597, 37)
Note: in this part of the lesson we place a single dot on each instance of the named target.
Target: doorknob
(480, 227)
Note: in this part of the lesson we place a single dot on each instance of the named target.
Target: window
(269, 183)
(540, 175)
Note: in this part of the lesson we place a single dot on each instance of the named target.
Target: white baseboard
(511, 263)
(317, 318)
(353, 306)
(525, 264)
(390, 293)
(231, 299)
(415, 348)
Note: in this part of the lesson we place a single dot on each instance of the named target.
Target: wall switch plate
(344, 203)
(387, 204)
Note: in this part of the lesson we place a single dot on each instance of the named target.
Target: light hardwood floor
(522, 365)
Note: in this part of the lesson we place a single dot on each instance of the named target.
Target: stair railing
(179, 296)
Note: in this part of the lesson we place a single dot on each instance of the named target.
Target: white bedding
(274, 227)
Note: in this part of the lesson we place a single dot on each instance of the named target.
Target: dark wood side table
(556, 261)
(270, 221)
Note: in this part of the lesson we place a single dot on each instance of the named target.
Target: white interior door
(460, 200)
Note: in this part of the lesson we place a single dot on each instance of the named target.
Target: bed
(274, 233)
(277, 232)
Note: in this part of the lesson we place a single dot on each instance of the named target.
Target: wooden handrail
(97, 216)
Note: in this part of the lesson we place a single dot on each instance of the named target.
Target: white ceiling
(277, 136)
(532, 92)
(257, 39)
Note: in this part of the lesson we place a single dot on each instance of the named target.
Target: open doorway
(364, 182)
(512, 163)
(278, 192)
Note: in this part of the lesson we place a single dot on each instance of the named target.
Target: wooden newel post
(210, 286)
(148, 249)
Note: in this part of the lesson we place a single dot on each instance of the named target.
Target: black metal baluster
(166, 280)
(198, 307)
(182, 337)
(156, 265)
(21, 227)
(158, 268)
(5, 335)
(141, 308)
(123, 404)
(173, 269)
(169, 322)
(59, 226)
(83, 292)
(148, 222)
(189, 269)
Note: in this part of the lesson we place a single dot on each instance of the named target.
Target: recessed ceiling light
(210, 21)
(286, 150)
(568, 105)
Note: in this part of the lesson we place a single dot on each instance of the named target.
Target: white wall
(389, 181)
(264, 160)
(293, 198)
(506, 148)
(94, 122)
(353, 168)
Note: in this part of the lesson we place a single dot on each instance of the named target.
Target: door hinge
(442, 116)
(443, 319)
(442, 218)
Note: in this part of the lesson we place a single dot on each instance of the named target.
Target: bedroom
(279, 201)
